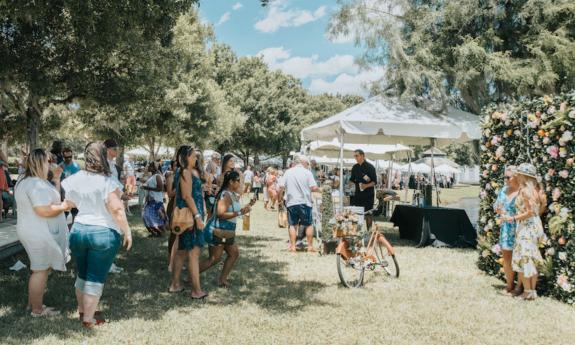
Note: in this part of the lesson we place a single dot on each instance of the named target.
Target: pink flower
(564, 173)
(556, 194)
(494, 140)
(563, 282)
(553, 151)
(551, 172)
(570, 162)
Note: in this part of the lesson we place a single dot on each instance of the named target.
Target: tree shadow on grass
(141, 291)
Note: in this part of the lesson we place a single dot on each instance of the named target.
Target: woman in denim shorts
(98, 229)
(227, 209)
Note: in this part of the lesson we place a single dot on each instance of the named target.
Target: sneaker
(116, 269)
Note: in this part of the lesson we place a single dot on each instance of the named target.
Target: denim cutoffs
(94, 249)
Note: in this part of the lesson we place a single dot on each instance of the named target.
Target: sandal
(95, 322)
(46, 311)
(181, 289)
(200, 297)
(97, 315)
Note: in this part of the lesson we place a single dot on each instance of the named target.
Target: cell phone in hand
(253, 201)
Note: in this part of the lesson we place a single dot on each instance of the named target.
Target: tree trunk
(285, 157)
(151, 142)
(32, 127)
(256, 160)
(120, 158)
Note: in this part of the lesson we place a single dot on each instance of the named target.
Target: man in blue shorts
(298, 184)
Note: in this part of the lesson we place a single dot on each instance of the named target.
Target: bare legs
(36, 288)
(509, 274)
(293, 235)
(87, 304)
(233, 253)
(194, 270)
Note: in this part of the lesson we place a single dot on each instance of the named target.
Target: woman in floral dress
(529, 236)
(505, 206)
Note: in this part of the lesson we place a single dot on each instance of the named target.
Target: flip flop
(181, 289)
(200, 297)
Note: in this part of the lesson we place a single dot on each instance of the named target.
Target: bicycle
(354, 257)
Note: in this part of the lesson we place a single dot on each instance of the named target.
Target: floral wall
(538, 131)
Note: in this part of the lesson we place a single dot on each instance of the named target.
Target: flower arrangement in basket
(346, 224)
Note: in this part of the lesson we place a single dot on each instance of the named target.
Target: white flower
(546, 140)
(485, 253)
(550, 251)
(566, 137)
(572, 114)
(551, 110)
(564, 212)
(562, 256)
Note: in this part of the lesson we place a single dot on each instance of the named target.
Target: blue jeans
(94, 249)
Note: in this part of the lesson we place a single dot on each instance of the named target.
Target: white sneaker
(116, 269)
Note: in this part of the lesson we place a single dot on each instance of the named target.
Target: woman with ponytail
(227, 210)
(189, 193)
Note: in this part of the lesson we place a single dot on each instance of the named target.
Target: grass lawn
(281, 298)
(447, 195)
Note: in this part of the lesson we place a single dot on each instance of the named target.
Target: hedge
(539, 131)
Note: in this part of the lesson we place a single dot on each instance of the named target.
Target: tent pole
(433, 179)
(341, 180)
(408, 174)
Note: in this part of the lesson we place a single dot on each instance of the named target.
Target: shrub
(539, 131)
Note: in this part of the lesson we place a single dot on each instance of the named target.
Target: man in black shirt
(364, 176)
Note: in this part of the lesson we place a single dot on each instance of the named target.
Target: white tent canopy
(143, 151)
(373, 151)
(446, 170)
(381, 120)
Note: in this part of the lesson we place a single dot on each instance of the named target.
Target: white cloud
(237, 6)
(347, 84)
(279, 16)
(304, 67)
(224, 18)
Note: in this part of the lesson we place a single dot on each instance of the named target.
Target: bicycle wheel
(387, 261)
(350, 271)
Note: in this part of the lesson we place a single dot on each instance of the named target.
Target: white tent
(143, 151)
(373, 151)
(446, 170)
(418, 168)
(381, 120)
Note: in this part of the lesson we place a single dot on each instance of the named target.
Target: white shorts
(266, 196)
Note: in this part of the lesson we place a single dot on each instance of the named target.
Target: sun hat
(527, 169)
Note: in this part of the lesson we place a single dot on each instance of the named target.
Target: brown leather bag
(182, 220)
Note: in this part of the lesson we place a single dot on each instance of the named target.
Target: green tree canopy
(55, 52)
(471, 52)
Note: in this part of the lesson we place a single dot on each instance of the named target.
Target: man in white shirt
(298, 184)
(248, 179)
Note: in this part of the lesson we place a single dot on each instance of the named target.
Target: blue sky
(290, 35)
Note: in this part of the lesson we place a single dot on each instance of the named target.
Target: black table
(421, 224)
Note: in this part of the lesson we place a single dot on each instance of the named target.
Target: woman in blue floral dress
(505, 206)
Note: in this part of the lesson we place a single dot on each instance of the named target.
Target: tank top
(229, 224)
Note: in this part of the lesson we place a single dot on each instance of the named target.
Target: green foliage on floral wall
(539, 131)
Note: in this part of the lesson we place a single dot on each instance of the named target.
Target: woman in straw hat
(529, 234)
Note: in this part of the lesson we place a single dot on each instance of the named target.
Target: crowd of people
(65, 210)
(520, 203)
